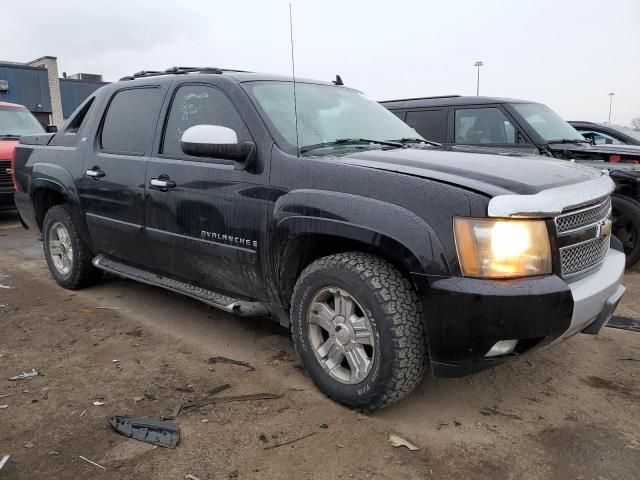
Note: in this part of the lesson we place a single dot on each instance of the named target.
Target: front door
(112, 188)
(203, 226)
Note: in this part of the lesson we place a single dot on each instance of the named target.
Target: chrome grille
(5, 176)
(583, 256)
(583, 217)
(585, 228)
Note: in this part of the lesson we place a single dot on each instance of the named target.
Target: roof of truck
(447, 100)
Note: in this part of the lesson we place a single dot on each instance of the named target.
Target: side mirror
(51, 129)
(214, 141)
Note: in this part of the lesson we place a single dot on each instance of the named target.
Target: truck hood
(6, 148)
(491, 175)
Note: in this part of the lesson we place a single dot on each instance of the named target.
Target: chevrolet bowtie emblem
(603, 228)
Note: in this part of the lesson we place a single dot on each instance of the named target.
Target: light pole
(478, 64)
(611, 94)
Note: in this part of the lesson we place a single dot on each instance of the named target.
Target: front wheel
(626, 226)
(357, 327)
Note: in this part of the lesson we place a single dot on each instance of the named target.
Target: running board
(241, 308)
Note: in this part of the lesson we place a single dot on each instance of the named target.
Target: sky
(567, 54)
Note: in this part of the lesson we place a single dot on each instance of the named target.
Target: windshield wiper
(568, 140)
(9, 135)
(351, 141)
(417, 140)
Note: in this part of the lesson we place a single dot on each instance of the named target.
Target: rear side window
(483, 126)
(130, 121)
(431, 124)
(200, 105)
(78, 119)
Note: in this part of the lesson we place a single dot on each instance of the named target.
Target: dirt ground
(571, 412)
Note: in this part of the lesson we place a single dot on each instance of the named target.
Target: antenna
(293, 71)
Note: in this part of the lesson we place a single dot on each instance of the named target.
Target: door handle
(162, 183)
(95, 173)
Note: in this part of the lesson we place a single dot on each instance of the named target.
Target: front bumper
(466, 317)
(6, 198)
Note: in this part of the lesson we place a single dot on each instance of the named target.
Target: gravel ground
(568, 412)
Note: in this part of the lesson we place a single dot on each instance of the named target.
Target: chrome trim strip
(553, 201)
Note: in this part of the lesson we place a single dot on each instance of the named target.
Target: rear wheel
(357, 326)
(67, 254)
(626, 226)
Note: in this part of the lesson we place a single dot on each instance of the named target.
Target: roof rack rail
(179, 71)
(420, 98)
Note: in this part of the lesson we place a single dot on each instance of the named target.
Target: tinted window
(130, 121)
(78, 119)
(200, 105)
(431, 124)
(483, 126)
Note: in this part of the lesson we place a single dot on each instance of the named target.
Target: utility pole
(478, 64)
(611, 94)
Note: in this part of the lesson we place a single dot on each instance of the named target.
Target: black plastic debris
(625, 323)
(149, 430)
(231, 361)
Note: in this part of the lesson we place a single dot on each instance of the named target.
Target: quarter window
(130, 121)
(431, 124)
(476, 126)
(200, 105)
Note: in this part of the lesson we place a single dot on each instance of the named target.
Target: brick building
(38, 86)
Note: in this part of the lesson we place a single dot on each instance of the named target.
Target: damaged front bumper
(473, 324)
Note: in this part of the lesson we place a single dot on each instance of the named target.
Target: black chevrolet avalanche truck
(383, 254)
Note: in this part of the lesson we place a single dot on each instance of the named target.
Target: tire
(626, 226)
(386, 316)
(69, 259)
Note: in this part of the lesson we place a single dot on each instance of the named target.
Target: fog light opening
(503, 347)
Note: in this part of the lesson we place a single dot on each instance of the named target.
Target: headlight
(501, 248)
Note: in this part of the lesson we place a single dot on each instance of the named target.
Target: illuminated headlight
(501, 248)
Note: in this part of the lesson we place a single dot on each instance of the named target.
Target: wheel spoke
(335, 357)
(54, 247)
(364, 334)
(343, 305)
(326, 347)
(359, 362)
(322, 315)
(66, 262)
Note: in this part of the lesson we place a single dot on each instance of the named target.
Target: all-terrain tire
(626, 216)
(395, 316)
(82, 273)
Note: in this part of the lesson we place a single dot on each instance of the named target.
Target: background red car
(15, 121)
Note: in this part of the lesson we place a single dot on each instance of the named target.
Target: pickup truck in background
(382, 254)
(518, 127)
(15, 121)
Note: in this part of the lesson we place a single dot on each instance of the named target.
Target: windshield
(15, 122)
(627, 131)
(327, 114)
(547, 123)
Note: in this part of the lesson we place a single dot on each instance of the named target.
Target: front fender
(390, 228)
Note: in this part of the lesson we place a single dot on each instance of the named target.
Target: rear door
(112, 187)
(205, 228)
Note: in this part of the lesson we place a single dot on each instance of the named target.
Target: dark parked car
(382, 255)
(519, 127)
(606, 134)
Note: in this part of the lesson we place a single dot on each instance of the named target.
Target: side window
(399, 113)
(130, 121)
(475, 126)
(600, 138)
(431, 124)
(76, 120)
(200, 105)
